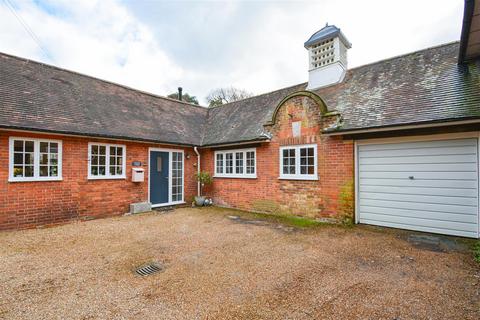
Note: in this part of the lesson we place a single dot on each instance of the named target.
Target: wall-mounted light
(187, 155)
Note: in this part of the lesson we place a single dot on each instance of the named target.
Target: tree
(220, 96)
(185, 97)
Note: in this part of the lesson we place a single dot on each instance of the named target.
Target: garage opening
(429, 186)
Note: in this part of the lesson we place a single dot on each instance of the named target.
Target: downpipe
(198, 169)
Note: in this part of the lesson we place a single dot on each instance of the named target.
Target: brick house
(393, 143)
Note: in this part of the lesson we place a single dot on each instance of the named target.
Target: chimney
(327, 57)
(180, 93)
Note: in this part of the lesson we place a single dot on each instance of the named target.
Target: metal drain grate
(148, 269)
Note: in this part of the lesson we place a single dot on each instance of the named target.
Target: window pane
(29, 158)
(119, 170)
(239, 162)
(101, 160)
(94, 160)
(303, 170)
(28, 171)
(44, 147)
(94, 149)
(44, 158)
(94, 171)
(250, 162)
(119, 161)
(311, 170)
(53, 159)
(219, 163)
(18, 171)
(112, 151)
(18, 158)
(18, 145)
(53, 147)
(229, 163)
(102, 150)
(101, 171)
(53, 171)
(113, 160)
(28, 146)
(303, 152)
(43, 171)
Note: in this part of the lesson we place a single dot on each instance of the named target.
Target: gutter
(236, 143)
(91, 135)
(198, 169)
(467, 22)
(400, 127)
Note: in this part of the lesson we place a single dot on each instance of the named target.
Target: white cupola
(327, 57)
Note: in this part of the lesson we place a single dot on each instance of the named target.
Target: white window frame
(36, 160)
(107, 161)
(243, 175)
(170, 159)
(298, 175)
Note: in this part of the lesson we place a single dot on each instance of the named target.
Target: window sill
(168, 204)
(35, 179)
(107, 178)
(298, 178)
(235, 177)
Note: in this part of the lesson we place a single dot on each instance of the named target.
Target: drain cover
(149, 269)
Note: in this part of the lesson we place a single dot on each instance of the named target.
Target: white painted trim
(243, 175)
(433, 137)
(298, 176)
(167, 204)
(404, 127)
(107, 175)
(36, 160)
(417, 138)
(170, 159)
(356, 181)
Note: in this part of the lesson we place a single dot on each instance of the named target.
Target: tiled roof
(35, 96)
(417, 88)
(421, 87)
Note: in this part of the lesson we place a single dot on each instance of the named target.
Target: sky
(157, 46)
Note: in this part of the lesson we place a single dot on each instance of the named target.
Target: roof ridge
(99, 79)
(405, 54)
(256, 96)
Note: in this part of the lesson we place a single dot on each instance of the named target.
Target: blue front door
(159, 168)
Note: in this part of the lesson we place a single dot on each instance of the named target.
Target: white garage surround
(428, 183)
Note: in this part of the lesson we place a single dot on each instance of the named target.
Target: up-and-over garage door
(427, 186)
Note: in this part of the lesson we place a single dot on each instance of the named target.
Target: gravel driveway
(219, 268)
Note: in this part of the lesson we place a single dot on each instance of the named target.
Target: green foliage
(185, 97)
(220, 96)
(204, 178)
(476, 251)
(346, 203)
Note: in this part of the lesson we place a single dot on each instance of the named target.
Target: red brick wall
(330, 196)
(29, 204)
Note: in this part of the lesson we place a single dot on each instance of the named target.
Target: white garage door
(428, 186)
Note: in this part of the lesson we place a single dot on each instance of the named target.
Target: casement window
(236, 163)
(298, 162)
(35, 159)
(106, 161)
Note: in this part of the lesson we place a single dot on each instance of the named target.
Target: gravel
(217, 268)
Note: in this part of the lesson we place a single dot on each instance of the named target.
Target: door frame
(170, 158)
(433, 137)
